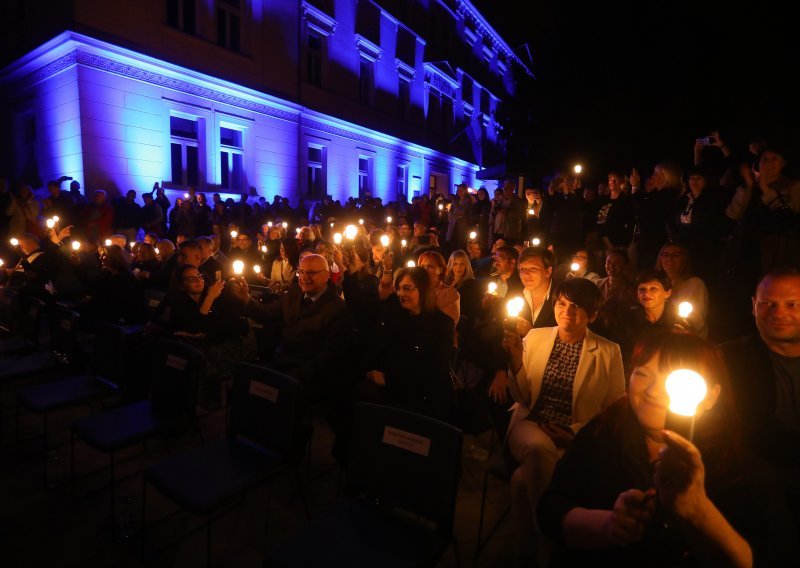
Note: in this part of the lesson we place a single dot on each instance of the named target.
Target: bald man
(312, 328)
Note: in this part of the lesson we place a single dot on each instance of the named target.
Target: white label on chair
(264, 391)
(66, 324)
(153, 303)
(176, 362)
(406, 440)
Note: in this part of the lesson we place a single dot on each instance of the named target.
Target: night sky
(626, 84)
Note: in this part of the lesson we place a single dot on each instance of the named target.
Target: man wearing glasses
(312, 328)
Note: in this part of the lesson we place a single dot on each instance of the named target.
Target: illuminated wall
(103, 117)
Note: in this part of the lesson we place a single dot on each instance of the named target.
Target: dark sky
(623, 84)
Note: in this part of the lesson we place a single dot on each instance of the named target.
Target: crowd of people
(405, 304)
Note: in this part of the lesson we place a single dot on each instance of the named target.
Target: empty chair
(262, 416)
(111, 359)
(170, 410)
(22, 320)
(403, 479)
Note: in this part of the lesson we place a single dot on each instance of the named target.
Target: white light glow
(238, 267)
(350, 232)
(385, 240)
(685, 309)
(514, 306)
(686, 389)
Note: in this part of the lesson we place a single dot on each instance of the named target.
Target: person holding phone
(560, 377)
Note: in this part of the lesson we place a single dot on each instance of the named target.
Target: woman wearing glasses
(409, 349)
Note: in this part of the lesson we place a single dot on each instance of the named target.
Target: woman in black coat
(409, 349)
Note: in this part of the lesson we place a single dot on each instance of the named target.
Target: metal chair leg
(480, 517)
(143, 550)
(72, 466)
(45, 441)
(113, 500)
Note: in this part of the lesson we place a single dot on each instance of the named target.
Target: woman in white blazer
(560, 378)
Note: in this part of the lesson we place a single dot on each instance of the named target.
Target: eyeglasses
(529, 270)
(311, 273)
(192, 278)
(405, 289)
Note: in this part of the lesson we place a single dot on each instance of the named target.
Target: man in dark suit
(314, 328)
(765, 377)
(211, 269)
(38, 268)
(535, 267)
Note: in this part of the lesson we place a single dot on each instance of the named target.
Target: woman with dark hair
(561, 377)
(479, 213)
(282, 272)
(630, 493)
(113, 294)
(675, 261)
(409, 349)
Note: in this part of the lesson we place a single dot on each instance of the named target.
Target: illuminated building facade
(293, 97)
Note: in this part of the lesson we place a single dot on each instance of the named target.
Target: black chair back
(263, 406)
(30, 321)
(176, 369)
(9, 310)
(113, 356)
(405, 460)
(152, 301)
(64, 340)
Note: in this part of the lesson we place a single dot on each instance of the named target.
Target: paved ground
(41, 525)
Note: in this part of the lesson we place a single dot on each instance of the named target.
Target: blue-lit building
(289, 97)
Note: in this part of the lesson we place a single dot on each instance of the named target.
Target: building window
(182, 15)
(316, 172)
(314, 58)
(434, 110)
(184, 152)
(404, 99)
(402, 183)
(231, 158)
(365, 81)
(447, 114)
(364, 176)
(229, 24)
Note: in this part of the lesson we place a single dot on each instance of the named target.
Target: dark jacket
(414, 354)
(313, 342)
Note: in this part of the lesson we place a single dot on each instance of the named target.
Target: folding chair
(175, 368)
(208, 480)
(403, 480)
(23, 322)
(110, 360)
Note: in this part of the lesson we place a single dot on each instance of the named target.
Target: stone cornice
(318, 20)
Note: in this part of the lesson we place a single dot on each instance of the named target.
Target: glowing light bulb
(536, 241)
(269, 224)
(186, 196)
(361, 221)
(76, 245)
(285, 225)
(578, 168)
(158, 251)
(574, 267)
(256, 269)
(685, 309)
(385, 240)
(441, 207)
(50, 223)
(1, 262)
(108, 242)
(56, 218)
(331, 225)
(337, 238)
(350, 232)
(473, 235)
(403, 243)
(264, 249)
(514, 306)
(238, 267)
(389, 219)
(686, 389)
(492, 288)
(531, 212)
(234, 234)
(411, 264)
(297, 230)
(14, 241)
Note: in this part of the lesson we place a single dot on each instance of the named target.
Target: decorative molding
(318, 20)
(471, 36)
(367, 48)
(406, 71)
(56, 66)
(468, 108)
(485, 119)
(349, 134)
(474, 20)
(437, 77)
(502, 67)
(488, 52)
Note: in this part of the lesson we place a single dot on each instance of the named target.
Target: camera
(707, 141)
